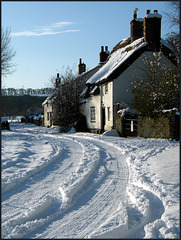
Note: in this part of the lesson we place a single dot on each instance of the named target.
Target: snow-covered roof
(115, 60)
(49, 99)
(119, 56)
(88, 71)
(95, 91)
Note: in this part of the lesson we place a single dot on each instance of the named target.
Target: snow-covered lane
(100, 201)
(82, 185)
(82, 174)
(34, 196)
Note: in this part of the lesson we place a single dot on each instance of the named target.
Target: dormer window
(106, 88)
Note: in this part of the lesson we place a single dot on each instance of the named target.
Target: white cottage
(109, 89)
(49, 108)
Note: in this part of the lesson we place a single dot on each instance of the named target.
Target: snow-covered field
(83, 185)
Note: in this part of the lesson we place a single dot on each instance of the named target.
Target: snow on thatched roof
(115, 60)
(124, 50)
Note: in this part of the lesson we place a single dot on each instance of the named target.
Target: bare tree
(7, 53)
(173, 13)
(66, 99)
(173, 19)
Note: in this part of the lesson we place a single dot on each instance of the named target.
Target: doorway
(103, 119)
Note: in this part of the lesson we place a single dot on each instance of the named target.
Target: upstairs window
(93, 114)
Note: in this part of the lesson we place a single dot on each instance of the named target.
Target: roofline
(88, 71)
(124, 65)
(135, 55)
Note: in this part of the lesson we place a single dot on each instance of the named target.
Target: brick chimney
(152, 29)
(81, 67)
(136, 26)
(104, 54)
(58, 81)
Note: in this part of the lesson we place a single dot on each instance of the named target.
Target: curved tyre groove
(84, 186)
(101, 174)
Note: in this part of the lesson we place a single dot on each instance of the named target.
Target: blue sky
(49, 36)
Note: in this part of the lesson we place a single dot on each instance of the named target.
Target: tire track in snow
(99, 203)
(95, 199)
(37, 216)
(150, 207)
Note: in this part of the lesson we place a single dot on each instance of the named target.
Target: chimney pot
(147, 12)
(135, 13)
(106, 48)
(102, 48)
(155, 11)
(80, 61)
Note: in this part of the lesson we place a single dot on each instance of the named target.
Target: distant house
(49, 107)
(108, 90)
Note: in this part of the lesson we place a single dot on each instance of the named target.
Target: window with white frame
(108, 113)
(92, 114)
(106, 88)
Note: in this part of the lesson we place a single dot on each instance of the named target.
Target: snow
(115, 60)
(84, 185)
(153, 15)
(127, 110)
(112, 133)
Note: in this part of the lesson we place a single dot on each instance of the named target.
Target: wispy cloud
(46, 30)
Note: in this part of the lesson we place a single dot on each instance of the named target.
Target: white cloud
(46, 30)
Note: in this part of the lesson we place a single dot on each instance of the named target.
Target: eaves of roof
(135, 55)
(124, 65)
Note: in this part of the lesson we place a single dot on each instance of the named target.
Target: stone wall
(153, 127)
(164, 125)
(119, 124)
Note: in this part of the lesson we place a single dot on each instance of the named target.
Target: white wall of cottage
(47, 109)
(122, 85)
(93, 101)
(107, 103)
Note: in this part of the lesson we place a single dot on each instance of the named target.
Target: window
(108, 113)
(106, 88)
(93, 114)
(48, 116)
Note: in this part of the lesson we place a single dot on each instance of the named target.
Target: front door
(103, 119)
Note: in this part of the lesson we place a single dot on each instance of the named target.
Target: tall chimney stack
(58, 81)
(152, 29)
(136, 26)
(81, 67)
(104, 54)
